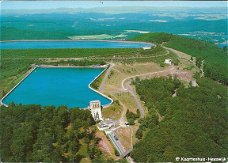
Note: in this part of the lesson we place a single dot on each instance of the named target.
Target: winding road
(127, 88)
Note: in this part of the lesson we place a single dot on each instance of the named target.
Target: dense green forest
(194, 122)
(215, 58)
(30, 133)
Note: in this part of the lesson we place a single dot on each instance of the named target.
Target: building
(106, 124)
(194, 84)
(168, 61)
(146, 48)
(95, 108)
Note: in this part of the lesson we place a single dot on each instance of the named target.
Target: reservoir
(57, 86)
(71, 44)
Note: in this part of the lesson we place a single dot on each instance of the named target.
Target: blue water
(70, 44)
(57, 86)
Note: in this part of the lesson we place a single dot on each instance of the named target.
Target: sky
(94, 4)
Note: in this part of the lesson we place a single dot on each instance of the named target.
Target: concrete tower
(95, 108)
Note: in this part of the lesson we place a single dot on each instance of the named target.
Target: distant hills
(114, 10)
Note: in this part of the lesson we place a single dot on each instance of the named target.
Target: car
(126, 123)
(116, 138)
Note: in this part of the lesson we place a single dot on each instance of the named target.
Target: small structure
(95, 108)
(194, 84)
(168, 61)
(146, 48)
(106, 124)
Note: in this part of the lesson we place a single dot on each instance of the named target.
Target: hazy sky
(92, 4)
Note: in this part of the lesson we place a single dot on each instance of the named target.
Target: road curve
(129, 89)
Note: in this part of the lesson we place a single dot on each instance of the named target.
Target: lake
(57, 86)
(71, 44)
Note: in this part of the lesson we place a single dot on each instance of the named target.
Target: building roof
(95, 101)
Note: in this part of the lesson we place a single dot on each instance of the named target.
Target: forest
(192, 124)
(30, 133)
(212, 58)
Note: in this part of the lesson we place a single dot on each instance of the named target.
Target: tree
(31, 134)
(191, 124)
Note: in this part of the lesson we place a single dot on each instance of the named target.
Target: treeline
(83, 62)
(30, 133)
(215, 58)
(194, 122)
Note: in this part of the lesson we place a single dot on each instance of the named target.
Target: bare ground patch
(105, 145)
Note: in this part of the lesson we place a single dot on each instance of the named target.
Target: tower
(95, 108)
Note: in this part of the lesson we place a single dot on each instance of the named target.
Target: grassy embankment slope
(215, 59)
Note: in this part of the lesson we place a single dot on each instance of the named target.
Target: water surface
(70, 44)
(57, 86)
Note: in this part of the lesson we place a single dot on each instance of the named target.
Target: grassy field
(122, 71)
(114, 111)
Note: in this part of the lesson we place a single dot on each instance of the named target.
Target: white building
(146, 48)
(95, 108)
(168, 61)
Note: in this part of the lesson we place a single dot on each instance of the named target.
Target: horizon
(45, 5)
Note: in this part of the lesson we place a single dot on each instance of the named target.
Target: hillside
(215, 59)
(30, 133)
(194, 122)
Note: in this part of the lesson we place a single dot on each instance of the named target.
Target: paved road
(116, 143)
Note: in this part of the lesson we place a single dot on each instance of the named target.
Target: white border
(104, 106)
